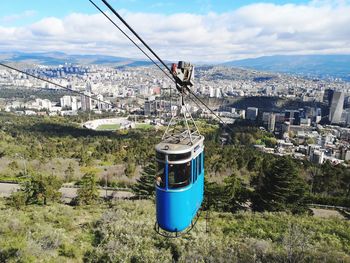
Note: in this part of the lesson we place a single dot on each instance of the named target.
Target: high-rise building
(88, 87)
(252, 113)
(149, 106)
(86, 102)
(327, 97)
(293, 117)
(100, 104)
(336, 108)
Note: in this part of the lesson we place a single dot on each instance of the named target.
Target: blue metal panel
(177, 208)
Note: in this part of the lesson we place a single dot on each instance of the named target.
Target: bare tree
(295, 243)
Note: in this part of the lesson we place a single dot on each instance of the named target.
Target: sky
(197, 30)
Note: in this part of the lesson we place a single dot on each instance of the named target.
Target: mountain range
(319, 66)
(60, 58)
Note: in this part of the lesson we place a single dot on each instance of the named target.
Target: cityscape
(317, 133)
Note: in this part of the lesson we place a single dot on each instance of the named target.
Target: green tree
(88, 192)
(130, 169)
(144, 187)
(236, 193)
(214, 196)
(280, 188)
(269, 141)
(254, 163)
(41, 189)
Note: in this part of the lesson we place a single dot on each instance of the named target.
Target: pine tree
(280, 188)
(144, 188)
(40, 189)
(88, 192)
(235, 193)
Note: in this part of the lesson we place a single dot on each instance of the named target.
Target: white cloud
(14, 17)
(47, 27)
(320, 27)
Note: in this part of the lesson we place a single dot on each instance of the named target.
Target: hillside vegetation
(123, 232)
(257, 203)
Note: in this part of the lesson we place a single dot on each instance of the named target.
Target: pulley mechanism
(183, 74)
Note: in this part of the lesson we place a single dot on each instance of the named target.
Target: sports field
(108, 127)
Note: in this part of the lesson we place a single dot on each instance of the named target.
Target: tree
(296, 243)
(41, 189)
(88, 192)
(69, 172)
(235, 192)
(254, 163)
(130, 169)
(144, 188)
(280, 188)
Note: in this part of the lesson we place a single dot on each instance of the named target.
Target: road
(67, 193)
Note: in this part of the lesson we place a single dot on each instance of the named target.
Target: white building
(43, 104)
(75, 104)
(271, 122)
(66, 101)
(218, 93)
(211, 92)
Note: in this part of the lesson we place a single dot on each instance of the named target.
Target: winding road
(67, 192)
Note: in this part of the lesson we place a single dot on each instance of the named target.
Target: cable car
(180, 174)
(179, 182)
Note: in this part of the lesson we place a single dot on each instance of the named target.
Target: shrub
(17, 199)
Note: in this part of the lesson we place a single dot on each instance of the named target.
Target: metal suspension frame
(187, 133)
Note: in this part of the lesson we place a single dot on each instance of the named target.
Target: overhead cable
(55, 84)
(151, 50)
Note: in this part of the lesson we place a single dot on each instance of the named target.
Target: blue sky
(30, 11)
(196, 30)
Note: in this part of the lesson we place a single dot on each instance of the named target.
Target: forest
(256, 207)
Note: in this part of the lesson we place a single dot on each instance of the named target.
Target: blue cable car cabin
(179, 181)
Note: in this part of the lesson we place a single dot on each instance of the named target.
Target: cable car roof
(178, 144)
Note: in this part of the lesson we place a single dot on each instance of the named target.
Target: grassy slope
(123, 231)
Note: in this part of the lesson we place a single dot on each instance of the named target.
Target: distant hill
(322, 66)
(57, 58)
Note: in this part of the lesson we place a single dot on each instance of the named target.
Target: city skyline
(196, 31)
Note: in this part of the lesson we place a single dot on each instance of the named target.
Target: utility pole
(106, 182)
